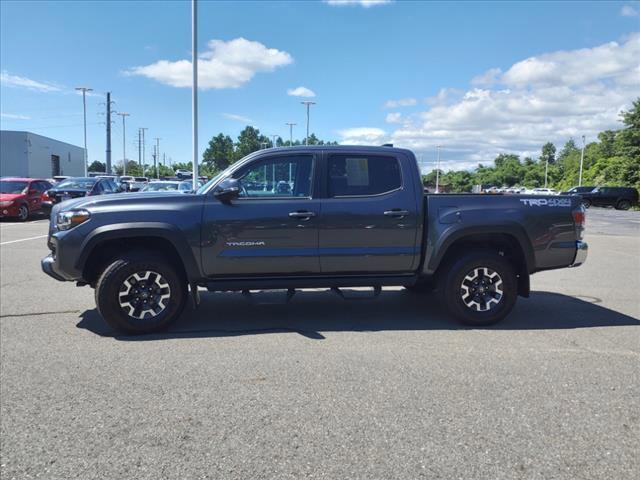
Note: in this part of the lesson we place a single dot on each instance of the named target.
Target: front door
(369, 218)
(272, 228)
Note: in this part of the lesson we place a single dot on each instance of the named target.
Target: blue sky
(477, 77)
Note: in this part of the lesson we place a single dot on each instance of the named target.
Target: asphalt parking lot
(326, 388)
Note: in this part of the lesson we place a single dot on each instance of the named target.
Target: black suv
(622, 198)
(577, 190)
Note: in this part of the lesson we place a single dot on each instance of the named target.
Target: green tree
(548, 153)
(628, 139)
(220, 153)
(249, 141)
(97, 166)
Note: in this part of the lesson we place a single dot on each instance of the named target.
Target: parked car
(77, 187)
(544, 191)
(353, 216)
(576, 190)
(621, 198)
(138, 183)
(57, 179)
(21, 197)
(161, 186)
(184, 174)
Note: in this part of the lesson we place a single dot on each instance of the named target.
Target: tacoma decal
(249, 243)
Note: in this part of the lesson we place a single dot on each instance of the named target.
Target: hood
(4, 197)
(131, 201)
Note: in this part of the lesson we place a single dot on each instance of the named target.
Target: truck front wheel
(480, 288)
(140, 293)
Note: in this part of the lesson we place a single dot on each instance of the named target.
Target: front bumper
(582, 249)
(48, 265)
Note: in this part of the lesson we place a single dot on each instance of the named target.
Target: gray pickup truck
(315, 217)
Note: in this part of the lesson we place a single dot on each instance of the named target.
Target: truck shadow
(312, 312)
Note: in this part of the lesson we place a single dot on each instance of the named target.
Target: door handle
(302, 214)
(396, 213)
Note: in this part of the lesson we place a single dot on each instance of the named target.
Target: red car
(21, 197)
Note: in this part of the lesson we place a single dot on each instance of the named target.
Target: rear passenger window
(353, 175)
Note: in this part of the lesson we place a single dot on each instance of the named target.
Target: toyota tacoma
(310, 217)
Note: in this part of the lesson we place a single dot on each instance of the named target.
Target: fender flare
(441, 248)
(120, 231)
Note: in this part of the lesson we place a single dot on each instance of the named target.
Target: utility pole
(308, 103)
(581, 162)
(291, 125)
(144, 159)
(108, 163)
(164, 159)
(194, 90)
(156, 159)
(140, 147)
(124, 144)
(273, 140)
(546, 170)
(84, 91)
(438, 170)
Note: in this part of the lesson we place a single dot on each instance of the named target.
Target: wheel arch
(106, 243)
(508, 242)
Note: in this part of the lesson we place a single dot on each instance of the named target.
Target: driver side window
(286, 176)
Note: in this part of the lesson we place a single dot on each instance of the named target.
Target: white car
(544, 191)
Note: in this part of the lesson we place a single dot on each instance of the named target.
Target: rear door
(369, 216)
(272, 228)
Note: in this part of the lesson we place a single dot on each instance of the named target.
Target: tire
(623, 205)
(500, 292)
(153, 279)
(23, 213)
(586, 203)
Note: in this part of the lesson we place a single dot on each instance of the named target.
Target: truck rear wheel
(140, 293)
(480, 288)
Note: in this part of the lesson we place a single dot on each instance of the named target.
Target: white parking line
(24, 239)
(36, 222)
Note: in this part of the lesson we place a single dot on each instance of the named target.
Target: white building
(25, 154)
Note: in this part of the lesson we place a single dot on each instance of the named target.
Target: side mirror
(227, 190)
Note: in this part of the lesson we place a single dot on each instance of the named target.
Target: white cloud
(361, 136)
(225, 65)
(301, 92)
(237, 118)
(550, 97)
(403, 102)
(489, 77)
(629, 11)
(13, 116)
(362, 3)
(394, 117)
(8, 80)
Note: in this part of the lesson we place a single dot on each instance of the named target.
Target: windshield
(206, 186)
(79, 183)
(160, 186)
(8, 186)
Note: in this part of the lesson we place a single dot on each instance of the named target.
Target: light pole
(308, 103)
(291, 125)
(194, 91)
(124, 144)
(581, 162)
(273, 140)
(438, 170)
(546, 171)
(144, 156)
(84, 91)
(156, 159)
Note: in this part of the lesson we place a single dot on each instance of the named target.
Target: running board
(291, 283)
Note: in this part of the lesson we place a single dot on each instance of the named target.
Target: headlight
(71, 218)
(6, 203)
